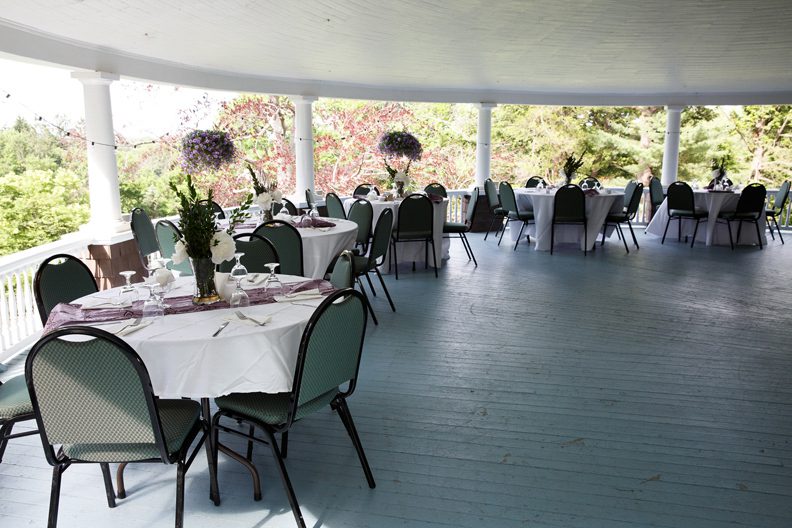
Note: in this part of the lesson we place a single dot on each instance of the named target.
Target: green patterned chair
(415, 224)
(656, 194)
(436, 188)
(460, 228)
(362, 213)
(335, 209)
(633, 193)
(310, 198)
(328, 358)
(106, 413)
(167, 235)
(750, 207)
(288, 204)
(569, 207)
(681, 205)
(145, 236)
(342, 277)
(61, 278)
(216, 208)
(257, 250)
(364, 188)
(363, 265)
(498, 213)
(509, 204)
(773, 213)
(534, 181)
(288, 244)
(15, 407)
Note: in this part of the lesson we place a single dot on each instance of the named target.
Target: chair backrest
(436, 188)
(680, 196)
(330, 349)
(362, 214)
(781, 196)
(364, 188)
(257, 250)
(507, 199)
(288, 245)
(310, 199)
(216, 208)
(335, 208)
(533, 181)
(61, 278)
(143, 231)
(415, 218)
(656, 192)
(382, 234)
(341, 277)
(722, 181)
(471, 207)
(632, 202)
(569, 204)
(167, 235)
(288, 204)
(93, 391)
(752, 199)
(590, 181)
(492, 193)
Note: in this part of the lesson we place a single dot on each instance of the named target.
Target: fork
(245, 317)
(134, 323)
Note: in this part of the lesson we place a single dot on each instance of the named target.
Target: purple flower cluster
(206, 150)
(400, 144)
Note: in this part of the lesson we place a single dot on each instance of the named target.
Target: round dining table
(715, 233)
(598, 206)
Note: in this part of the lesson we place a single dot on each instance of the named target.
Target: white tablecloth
(320, 247)
(412, 251)
(710, 232)
(183, 360)
(597, 209)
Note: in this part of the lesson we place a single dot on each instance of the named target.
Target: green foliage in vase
(571, 165)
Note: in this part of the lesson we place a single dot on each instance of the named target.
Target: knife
(222, 326)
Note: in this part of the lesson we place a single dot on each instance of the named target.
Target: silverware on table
(222, 327)
(134, 323)
(245, 317)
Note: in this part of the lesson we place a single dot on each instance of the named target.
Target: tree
(766, 134)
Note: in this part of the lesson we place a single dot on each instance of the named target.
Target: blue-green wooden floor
(613, 390)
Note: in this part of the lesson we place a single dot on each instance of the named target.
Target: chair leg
(395, 260)
(210, 445)
(522, 228)
(552, 236)
(695, 230)
(467, 251)
(778, 229)
(466, 242)
(121, 489)
(434, 254)
(349, 424)
(679, 231)
(108, 484)
(739, 231)
(668, 222)
(758, 235)
(284, 443)
(368, 303)
(249, 454)
(490, 227)
(285, 479)
(57, 472)
(180, 470)
(604, 228)
(635, 240)
(5, 432)
(585, 238)
(504, 231)
(426, 255)
(770, 226)
(371, 286)
(731, 242)
(385, 288)
(623, 238)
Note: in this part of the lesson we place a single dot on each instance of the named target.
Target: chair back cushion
(330, 347)
(257, 250)
(341, 277)
(569, 204)
(285, 202)
(364, 188)
(167, 235)
(288, 245)
(415, 218)
(680, 196)
(362, 214)
(382, 234)
(781, 196)
(752, 199)
(436, 188)
(471, 207)
(507, 200)
(143, 230)
(656, 191)
(60, 279)
(590, 181)
(635, 199)
(533, 181)
(89, 387)
(310, 199)
(335, 209)
(216, 208)
(491, 193)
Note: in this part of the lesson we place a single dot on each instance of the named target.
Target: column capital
(482, 106)
(674, 108)
(94, 77)
(304, 99)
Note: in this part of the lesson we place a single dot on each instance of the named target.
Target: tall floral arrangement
(399, 145)
(206, 150)
(266, 189)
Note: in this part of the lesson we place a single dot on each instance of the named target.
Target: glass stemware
(128, 280)
(273, 284)
(239, 299)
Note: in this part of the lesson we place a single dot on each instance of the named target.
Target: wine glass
(239, 299)
(584, 185)
(273, 284)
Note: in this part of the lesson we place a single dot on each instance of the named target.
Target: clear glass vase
(205, 289)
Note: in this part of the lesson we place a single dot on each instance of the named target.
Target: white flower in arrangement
(264, 200)
(222, 246)
(401, 177)
(163, 276)
(180, 252)
(277, 196)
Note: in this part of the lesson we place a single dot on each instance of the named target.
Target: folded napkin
(299, 296)
(436, 198)
(257, 278)
(98, 303)
(308, 221)
(124, 327)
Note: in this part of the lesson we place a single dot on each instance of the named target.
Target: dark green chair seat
(360, 264)
(525, 216)
(454, 227)
(499, 211)
(509, 204)
(271, 409)
(681, 205)
(750, 207)
(14, 399)
(696, 213)
(734, 215)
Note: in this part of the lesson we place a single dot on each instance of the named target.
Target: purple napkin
(436, 198)
(308, 221)
(591, 192)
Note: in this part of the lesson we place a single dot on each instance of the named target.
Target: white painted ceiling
(546, 51)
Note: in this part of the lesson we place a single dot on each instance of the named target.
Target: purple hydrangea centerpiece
(206, 150)
(400, 144)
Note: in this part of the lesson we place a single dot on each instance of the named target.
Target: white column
(483, 139)
(102, 165)
(671, 145)
(304, 144)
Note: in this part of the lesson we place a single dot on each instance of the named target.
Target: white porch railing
(19, 319)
